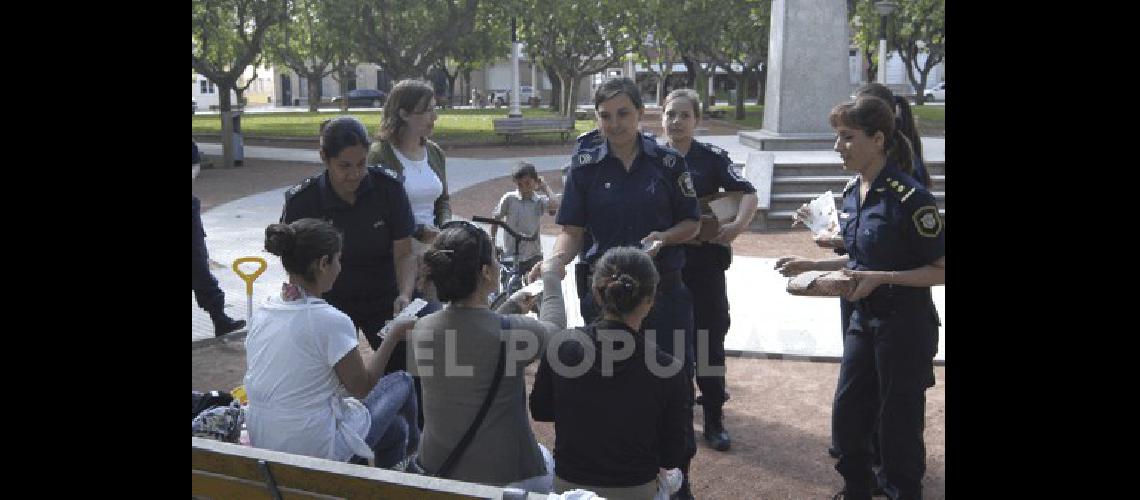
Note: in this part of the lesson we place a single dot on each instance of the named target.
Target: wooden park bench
(225, 470)
(515, 126)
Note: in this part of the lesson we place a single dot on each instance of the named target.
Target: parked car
(363, 97)
(936, 93)
(525, 93)
(499, 97)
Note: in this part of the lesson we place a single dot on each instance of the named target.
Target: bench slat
(325, 477)
(210, 485)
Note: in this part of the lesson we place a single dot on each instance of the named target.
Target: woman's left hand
(865, 283)
(728, 233)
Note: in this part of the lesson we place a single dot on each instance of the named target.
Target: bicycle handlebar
(507, 228)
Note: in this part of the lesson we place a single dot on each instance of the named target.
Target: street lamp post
(885, 8)
(515, 112)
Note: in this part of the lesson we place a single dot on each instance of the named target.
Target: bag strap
(466, 440)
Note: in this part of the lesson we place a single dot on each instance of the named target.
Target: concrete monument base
(766, 140)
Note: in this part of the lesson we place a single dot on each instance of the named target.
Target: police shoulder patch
(669, 160)
(927, 221)
(685, 181)
(301, 186)
(583, 157)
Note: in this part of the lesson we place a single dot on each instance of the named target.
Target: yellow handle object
(249, 278)
(239, 394)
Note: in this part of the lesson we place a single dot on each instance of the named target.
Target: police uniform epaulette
(902, 187)
(851, 184)
(715, 149)
(588, 136)
(383, 171)
(301, 186)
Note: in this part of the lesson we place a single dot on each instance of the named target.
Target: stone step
(792, 201)
(836, 183)
(782, 219)
(835, 169)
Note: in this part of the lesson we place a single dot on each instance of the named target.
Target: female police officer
(626, 191)
(895, 241)
(369, 206)
(705, 262)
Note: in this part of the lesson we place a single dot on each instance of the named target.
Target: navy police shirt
(712, 169)
(619, 208)
(896, 228)
(380, 216)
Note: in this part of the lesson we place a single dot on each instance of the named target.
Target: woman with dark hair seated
(303, 357)
(622, 417)
(460, 355)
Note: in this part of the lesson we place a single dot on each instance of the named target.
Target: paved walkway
(766, 320)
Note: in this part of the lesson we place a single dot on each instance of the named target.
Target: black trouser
(704, 277)
(887, 367)
(206, 291)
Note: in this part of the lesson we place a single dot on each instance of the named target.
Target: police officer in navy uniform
(896, 243)
(370, 208)
(706, 261)
(625, 190)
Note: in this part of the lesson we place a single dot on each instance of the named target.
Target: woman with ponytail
(896, 244)
(311, 392)
(619, 403)
(458, 354)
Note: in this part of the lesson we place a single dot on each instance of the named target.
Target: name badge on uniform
(607, 185)
(377, 224)
(844, 215)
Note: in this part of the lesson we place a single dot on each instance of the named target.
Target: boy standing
(522, 209)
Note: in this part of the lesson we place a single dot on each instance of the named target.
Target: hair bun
(280, 239)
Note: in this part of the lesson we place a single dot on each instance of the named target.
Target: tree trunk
(451, 89)
(741, 81)
(225, 112)
(872, 69)
(569, 84)
(467, 85)
(697, 80)
(660, 90)
(761, 82)
(314, 93)
(555, 89)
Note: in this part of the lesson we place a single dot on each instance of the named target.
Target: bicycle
(511, 273)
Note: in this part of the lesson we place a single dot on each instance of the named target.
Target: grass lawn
(753, 115)
(930, 120)
(454, 126)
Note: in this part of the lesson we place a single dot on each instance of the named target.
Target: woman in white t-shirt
(402, 146)
(311, 392)
(403, 150)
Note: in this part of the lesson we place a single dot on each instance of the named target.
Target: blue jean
(394, 433)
